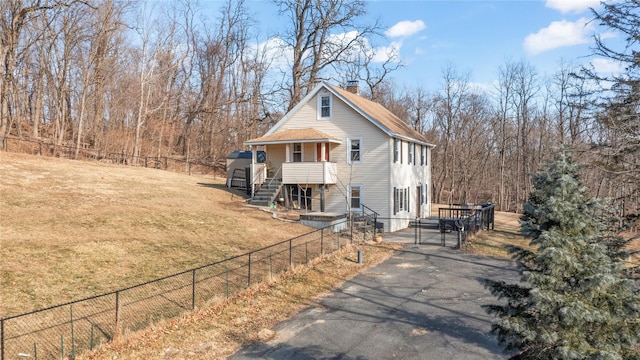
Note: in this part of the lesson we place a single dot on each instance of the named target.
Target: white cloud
(405, 28)
(577, 6)
(384, 53)
(602, 65)
(559, 34)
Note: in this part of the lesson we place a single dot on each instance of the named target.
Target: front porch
(298, 160)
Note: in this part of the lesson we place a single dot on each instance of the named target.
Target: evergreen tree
(574, 301)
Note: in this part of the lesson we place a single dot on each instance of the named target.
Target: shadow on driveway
(425, 302)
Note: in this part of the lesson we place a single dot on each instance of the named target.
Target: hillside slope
(71, 229)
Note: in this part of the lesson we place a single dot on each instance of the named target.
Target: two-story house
(339, 152)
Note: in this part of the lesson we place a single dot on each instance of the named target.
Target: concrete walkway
(422, 303)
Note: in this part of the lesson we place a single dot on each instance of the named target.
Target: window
(396, 201)
(297, 152)
(355, 193)
(400, 200)
(355, 150)
(406, 199)
(423, 194)
(412, 153)
(423, 155)
(397, 150)
(324, 106)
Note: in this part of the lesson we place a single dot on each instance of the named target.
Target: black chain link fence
(64, 330)
(175, 164)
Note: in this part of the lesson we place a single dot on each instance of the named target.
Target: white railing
(309, 173)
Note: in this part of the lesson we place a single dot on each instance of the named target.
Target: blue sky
(476, 36)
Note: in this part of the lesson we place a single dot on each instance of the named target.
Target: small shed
(237, 163)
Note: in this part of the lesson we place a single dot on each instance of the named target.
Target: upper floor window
(397, 150)
(324, 106)
(296, 154)
(354, 146)
(412, 153)
(423, 155)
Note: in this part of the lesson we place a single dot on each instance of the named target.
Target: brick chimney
(353, 87)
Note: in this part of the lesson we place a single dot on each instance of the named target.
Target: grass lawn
(72, 229)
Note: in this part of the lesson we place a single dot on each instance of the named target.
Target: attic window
(324, 106)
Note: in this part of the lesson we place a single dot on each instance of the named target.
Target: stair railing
(371, 217)
(268, 184)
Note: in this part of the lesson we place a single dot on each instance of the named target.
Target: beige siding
(372, 172)
(376, 173)
(309, 152)
(276, 155)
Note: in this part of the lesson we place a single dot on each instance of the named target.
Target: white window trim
(423, 155)
(397, 151)
(412, 153)
(319, 114)
(292, 152)
(351, 186)
(349, 150)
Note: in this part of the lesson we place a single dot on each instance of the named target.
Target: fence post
(73, 339)
(193, 289)
(1, 339)
(249, 277)
(115, 328)
(351, 228)
(375, 223)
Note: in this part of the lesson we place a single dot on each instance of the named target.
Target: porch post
(253, 164)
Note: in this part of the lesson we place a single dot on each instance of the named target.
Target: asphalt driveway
(422, 303)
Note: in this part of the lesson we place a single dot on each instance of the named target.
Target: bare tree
(448, 106)
(16, 15)
(321, 35)
(617, 102)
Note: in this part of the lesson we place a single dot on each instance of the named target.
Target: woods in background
(157, 79)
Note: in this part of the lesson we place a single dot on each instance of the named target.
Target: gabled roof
(377, 114)
(293, 135)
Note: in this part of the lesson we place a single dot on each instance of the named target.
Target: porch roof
(294, 136)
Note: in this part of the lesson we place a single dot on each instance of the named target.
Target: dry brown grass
(495, 243)
(218, 331)
(72, 229)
